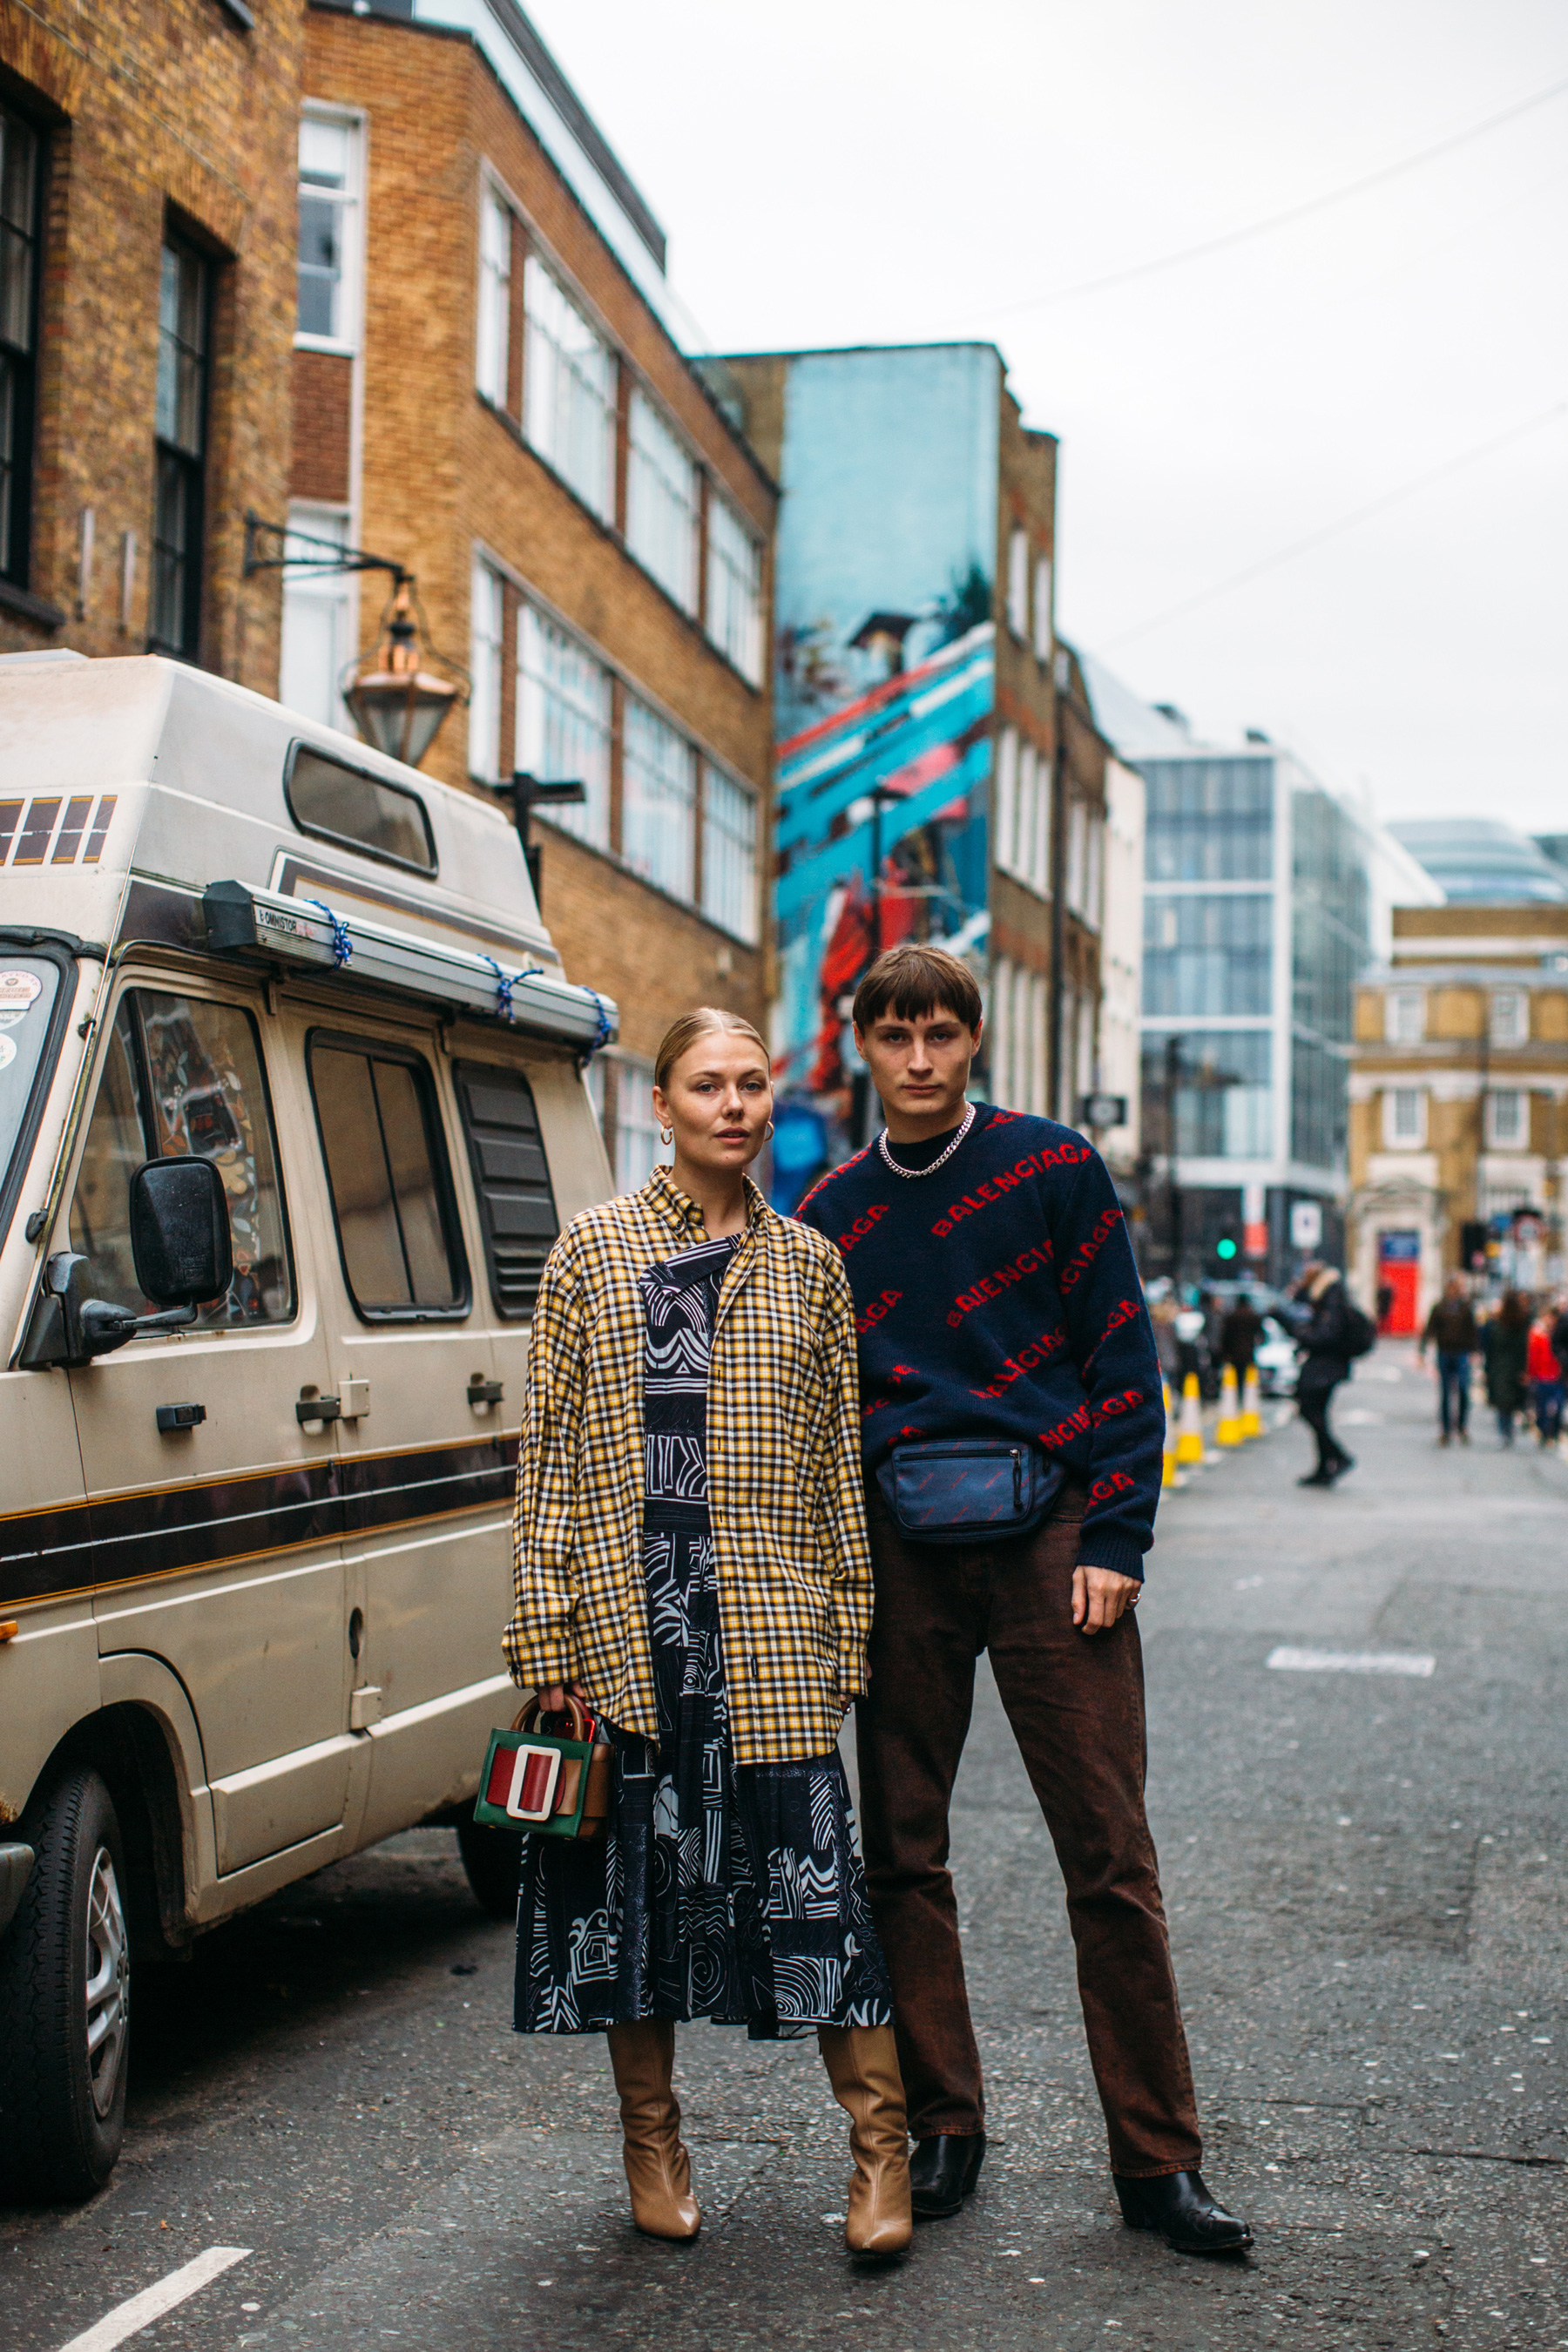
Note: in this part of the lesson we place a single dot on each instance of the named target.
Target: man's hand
(1100, 1596)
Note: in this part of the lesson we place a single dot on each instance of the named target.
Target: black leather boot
(1179, 2207)
(943, 2170)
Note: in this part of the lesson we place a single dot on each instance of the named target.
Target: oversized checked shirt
(792, 1564)
(997, 1296)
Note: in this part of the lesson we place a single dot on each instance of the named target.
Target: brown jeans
(1076, 1705)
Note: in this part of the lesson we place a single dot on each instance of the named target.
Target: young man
(999, 1310)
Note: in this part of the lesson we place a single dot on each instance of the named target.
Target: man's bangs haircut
(912, 983)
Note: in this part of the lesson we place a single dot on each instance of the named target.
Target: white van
(292, 1104)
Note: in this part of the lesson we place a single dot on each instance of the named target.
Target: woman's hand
(1100, 1596)
(554, 1699)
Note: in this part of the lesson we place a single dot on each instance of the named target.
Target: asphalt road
(1369, 1901)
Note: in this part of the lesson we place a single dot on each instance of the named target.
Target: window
(1404, 1118)
(730, 854)
(178, 520)
(1404, 1016)
(318, 619)
(638, 1149)
(492, 348)
(999, 1032)
(20, 160)
(1320, 1103)
(1208, 952)
(1018, 583)
(32, 1018)
(1004, 850)
(734, 589)
(563, 708)
(487, 643)
(1209, 820)
(511, 1181)
(1508, 1118)
(1224, 1102)
(1034, 819)
(661, 502)
(1509, 1016)
(361, 811)
(569, 391)
(326, 305)
(386, 1170)
(182, 1075)
(659, 796)
(1022, 1052)
(1093, 871)
(1043, 607)
(1077, 845)
(1039, 1023)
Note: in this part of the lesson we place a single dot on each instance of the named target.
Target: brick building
(147, 260)
(1458, 1097)
(920, 791)
(487, 389)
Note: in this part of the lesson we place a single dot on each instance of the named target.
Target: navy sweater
(998, 1299)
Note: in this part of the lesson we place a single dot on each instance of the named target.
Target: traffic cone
(1228, 1430)
(1251, 1417)
(1168, 1459)
(1190, 1438)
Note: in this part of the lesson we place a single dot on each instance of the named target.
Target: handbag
(961, 1490)
(548, 1786)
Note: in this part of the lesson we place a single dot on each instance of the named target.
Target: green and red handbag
(551, 1786)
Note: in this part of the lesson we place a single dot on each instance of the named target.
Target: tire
(493, 1860)
(65, 2000)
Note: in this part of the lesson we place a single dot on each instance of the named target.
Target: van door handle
(318, 1408)
(485, 1392)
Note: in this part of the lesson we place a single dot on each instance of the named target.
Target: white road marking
(1350, 1662)
(153, 2301)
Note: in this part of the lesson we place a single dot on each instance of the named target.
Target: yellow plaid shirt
(791, 1561)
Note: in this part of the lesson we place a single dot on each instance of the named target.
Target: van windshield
(28, 985)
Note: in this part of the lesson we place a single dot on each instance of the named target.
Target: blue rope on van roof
(343, 946)
(507, 981)
(603, 1034)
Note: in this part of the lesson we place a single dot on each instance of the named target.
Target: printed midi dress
(733, 1892)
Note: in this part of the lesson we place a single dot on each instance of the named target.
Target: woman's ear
(660, 1106)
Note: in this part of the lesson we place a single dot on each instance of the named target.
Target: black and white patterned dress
(734, 1892)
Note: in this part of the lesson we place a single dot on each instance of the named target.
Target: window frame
(1515, 1030)
(352, 278)
(709, 825)
(1494, 1140)
(191, 465)
(746, 656)
(1018, 583)
(344, 840)
(1394, 1025)
(373, 1048)
(462, 1065)
(16, 569)
(645, 497)
(662, 804)
(539, 264)
(1393, 1141)
(494, 286)
(157, 983)
(309, 593)
(49, 951)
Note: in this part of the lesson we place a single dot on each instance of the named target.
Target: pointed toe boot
(1181, 2208)
(862, 2063)
(659, 2170)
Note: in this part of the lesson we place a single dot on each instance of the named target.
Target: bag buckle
(535, 1772)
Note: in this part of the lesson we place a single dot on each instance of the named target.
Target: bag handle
(531, 1718)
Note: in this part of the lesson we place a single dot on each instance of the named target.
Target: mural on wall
(884, 696)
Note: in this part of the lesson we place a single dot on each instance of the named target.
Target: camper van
(292, 1104)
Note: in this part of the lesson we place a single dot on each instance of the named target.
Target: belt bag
(549, 1787)
(965, 1491)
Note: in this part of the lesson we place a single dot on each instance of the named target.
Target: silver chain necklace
(941, 1156)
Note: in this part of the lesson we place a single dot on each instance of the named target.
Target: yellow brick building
(1459, 1102)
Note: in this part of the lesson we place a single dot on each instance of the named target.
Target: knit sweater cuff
(1117, 1552)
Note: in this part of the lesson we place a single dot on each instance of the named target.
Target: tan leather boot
(659, 2170)
(862, 2063)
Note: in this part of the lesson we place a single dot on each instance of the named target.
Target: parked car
(291, 1108)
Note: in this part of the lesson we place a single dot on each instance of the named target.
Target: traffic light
(1227, 1247)
(1474, 1235)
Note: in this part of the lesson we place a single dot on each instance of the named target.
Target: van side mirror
(182, 1250)
(180, 1242)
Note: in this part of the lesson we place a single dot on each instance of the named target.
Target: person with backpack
(1335, 1331)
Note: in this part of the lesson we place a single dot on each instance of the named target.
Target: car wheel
(493, 1860)
(65, 2000)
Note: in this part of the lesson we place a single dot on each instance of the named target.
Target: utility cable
(1343, 522)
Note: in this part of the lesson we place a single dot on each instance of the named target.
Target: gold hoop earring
(667, 1135)
(769, 1129)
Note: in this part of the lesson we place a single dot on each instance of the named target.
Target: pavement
(1368, 1891)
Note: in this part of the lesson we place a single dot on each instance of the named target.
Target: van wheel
(65, 2000)
(493, 1859)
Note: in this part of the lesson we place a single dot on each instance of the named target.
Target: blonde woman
(691, 1561)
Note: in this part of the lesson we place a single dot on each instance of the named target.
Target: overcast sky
(841, 171)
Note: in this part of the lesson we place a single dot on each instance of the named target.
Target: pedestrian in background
(1012, 1438)
(1451, 1330)
(691, 1561)
(1163, 1313)
(1543, 1371)
(1324, 1339)
(1505, 1346)
(1238, 1336)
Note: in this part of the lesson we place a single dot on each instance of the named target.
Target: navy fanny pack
(964, 1490)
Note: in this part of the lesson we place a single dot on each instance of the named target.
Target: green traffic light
(1225, 1249)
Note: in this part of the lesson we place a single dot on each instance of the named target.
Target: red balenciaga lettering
(1066, 1431)
(1124, 1400)
(876, 1311)
(862, 1226)
(992, 1285)
(1037, 1352)
(995, 1188)
(1083, 1257)
(1126, 1310)
(1104, 1489)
